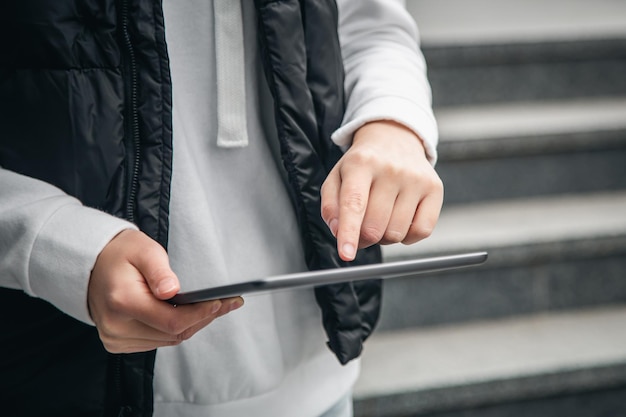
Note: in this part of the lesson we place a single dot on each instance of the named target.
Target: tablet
(385, 270)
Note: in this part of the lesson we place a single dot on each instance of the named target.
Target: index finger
(353, 199)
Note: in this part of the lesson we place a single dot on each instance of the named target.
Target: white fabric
(49, 242)
(232, 220)
(385, 70)
(232, 129)
(343, 408)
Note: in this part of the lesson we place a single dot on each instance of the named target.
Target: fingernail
(216, 306)
(348, 250)
(332, 225)
(167, 285)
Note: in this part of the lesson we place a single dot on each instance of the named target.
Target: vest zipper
(133, 145)
(133, 150)
(117, 381)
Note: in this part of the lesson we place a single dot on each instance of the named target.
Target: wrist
(64, 254)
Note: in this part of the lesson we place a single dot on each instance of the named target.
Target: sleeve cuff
(400, 110)
(59, 269)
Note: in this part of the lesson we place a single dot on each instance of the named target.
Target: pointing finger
(353, 200)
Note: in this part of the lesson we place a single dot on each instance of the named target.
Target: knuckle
(111, 345)
(419, 179)
(111, 333)
(107, 331)
(422, 231)
(393, 236)
(426, 180)
(116, 301)
(430, 180)
(395, 171)
(158, 274)
(371, 234)
(152, 250)
(324, 188)
(174, 326)
(354, 201)
(143, 250)
(181, 337)
(327, 210)
(350, 229)
(436, 184)
(187, 334)
(359, 157)
(112, 349)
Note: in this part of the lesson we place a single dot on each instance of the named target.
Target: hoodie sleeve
(385, 70)
(49, 242)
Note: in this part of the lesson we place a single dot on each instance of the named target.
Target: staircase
(531, 101)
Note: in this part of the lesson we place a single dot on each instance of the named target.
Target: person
(148, 148)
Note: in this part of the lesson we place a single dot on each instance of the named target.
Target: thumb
(153, 263)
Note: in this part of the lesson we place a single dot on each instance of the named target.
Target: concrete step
(570, 364)
(545, 254)
(530, 99)
(493, 51)
(525, 72)
(479, 22)
(536, 148)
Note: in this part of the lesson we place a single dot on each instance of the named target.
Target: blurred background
(531, 101)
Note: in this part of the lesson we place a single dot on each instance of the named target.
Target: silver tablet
(333, 276)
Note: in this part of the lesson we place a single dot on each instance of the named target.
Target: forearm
(49, 242)
(385, 70)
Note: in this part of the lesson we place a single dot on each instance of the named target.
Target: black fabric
(62, 91)
(50, 364)
(73, 93)
(303, 65)
(85, 104)
(71, 99)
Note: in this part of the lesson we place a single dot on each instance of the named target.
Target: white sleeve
(49, 242)
(385, 70)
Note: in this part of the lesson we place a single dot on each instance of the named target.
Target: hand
(383, 190)
(128, 284)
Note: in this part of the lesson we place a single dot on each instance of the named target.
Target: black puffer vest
(85, 104)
